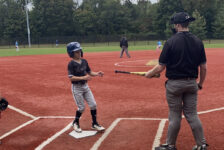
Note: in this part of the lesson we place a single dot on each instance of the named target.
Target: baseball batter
(79, 73)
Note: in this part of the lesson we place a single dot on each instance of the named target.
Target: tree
(166, 9)
(207, 8)
(198, 27)
(13, 23)
(52, 18)
(218, 24)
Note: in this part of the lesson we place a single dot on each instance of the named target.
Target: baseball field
(133, 109)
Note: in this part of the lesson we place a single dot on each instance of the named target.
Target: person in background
(124, 47)
(159, 45)
(17, 46)
(56, 43)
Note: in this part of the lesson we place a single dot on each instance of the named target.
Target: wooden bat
(136, 73)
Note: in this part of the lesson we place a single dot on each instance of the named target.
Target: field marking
(106, 133)
(57, 117)
(159, 133)
(119, 63)
(112, 126)
(210, 110)
(21, 112)
(18, 128)
(49, 140)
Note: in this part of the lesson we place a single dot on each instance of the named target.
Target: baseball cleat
(165, 147)
(97, 127)
(202, 147)
(76, 127)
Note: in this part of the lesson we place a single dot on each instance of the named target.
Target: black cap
(181, 17)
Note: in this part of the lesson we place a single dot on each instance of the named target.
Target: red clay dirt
(38, 85)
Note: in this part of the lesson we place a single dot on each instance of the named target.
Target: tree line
(95, 18)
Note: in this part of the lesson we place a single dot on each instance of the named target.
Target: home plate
(82, 134)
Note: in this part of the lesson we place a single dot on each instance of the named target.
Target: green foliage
(165, 10)
(52, 18)
(96, 18)
(12, 19)
(219, 24)
(198, 27)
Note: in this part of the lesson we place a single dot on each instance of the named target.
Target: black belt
(188, 78)
(79, 83)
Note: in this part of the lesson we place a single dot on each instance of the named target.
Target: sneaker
(97, 127)
(202, 147)
(76, 127)
(165, 147)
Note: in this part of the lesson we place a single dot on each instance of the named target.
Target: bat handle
(156, 76)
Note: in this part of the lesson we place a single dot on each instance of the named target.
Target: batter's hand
(100, 73)
(87, 77)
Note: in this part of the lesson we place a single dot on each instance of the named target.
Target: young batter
(79, 73)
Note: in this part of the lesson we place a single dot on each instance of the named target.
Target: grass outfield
(86, 48)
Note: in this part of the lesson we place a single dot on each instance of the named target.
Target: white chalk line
(21, 112)
(159, 131)
(159, 134)
(18, 128)
(49, 140)
(102, 138)
(211, 110)
(119, 64)
(106, 133)
(30, 121)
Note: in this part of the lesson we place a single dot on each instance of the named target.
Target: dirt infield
(132, 108)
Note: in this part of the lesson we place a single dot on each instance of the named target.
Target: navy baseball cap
(181, 17)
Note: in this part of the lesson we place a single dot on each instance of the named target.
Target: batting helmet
(3, 104)
(72, 47)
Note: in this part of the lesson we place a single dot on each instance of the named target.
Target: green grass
(91, 47)
(62, 50)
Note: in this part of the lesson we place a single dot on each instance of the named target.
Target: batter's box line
(116, 121)
(108, 130)
(33, 118)
(95, 146)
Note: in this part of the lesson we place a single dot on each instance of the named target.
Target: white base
(82, 134)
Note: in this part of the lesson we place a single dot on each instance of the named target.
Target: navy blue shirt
(182, 54)
(78, 69)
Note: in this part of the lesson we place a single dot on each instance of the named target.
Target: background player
(159, 45)
(124, 47)
(79, 73)
(17, 46)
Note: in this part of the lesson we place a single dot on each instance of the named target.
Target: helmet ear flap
(71, 54)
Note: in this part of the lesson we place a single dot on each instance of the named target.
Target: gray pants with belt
(182, 96)
(82, 92)
(124, 48)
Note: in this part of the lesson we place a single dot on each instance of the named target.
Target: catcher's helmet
(3, 104)
(72, 47)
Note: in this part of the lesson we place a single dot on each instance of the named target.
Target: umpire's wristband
(200, 87)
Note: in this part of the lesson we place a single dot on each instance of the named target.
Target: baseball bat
(136, 73)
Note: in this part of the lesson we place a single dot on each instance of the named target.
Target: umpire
(182, 55)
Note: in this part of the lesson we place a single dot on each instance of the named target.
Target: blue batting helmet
(72, 47)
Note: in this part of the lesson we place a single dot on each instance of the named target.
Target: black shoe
(202, 147)
(165, 147)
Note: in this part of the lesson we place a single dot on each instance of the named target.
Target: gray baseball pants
(124, 48)
(82, 92)
(182, 96)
